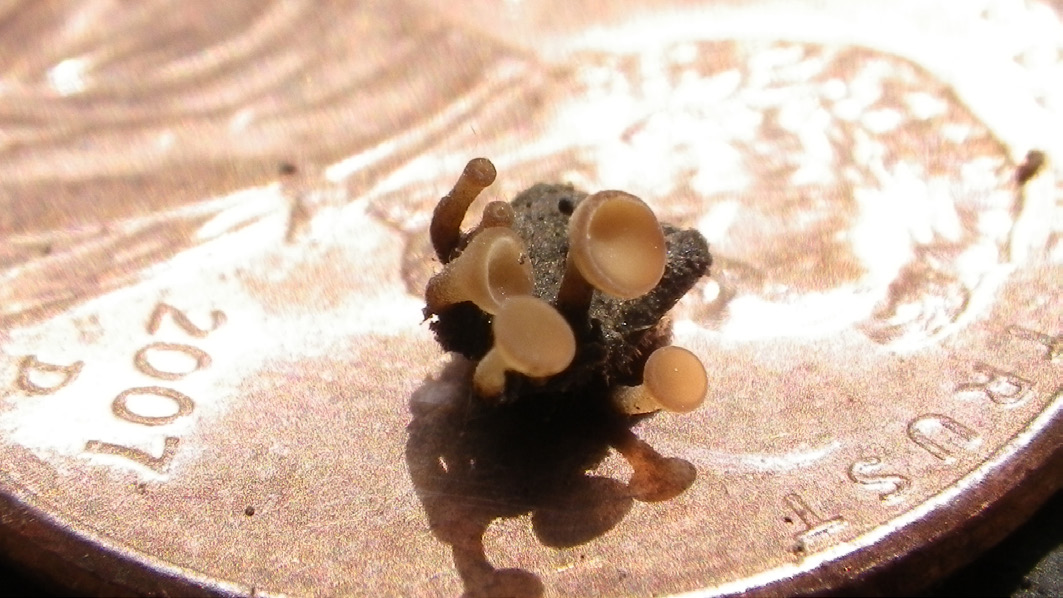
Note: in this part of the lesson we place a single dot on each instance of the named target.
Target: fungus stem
(574, 296)
(445, 229)
(490, 375)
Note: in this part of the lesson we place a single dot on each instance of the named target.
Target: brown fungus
(674, 379)
(616, 246)
(495, 214)
(445, 229)
(492, 268)
(553, 246)
(531, 338)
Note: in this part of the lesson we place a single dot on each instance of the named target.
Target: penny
(213, 242)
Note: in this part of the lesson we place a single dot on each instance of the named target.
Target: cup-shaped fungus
(567, 248)
(531, 338)
(492, 268)
(445, 228)
(674, 379)
(616, 245)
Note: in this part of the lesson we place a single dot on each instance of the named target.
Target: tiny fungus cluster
(559, 291)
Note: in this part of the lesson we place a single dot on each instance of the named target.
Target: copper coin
(213, 243)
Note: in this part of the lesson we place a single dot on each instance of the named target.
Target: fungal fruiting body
(531, 338)
(559, 291)
(673, 379)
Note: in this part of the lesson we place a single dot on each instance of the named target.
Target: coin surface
(215, 374)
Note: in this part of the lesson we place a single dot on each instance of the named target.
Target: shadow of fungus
(472, 463)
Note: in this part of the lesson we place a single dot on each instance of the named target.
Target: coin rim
(80, 558)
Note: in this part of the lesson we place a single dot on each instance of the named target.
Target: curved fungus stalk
(445, 228)
(492, 268)
(616, 245)
(674, 379)
(518, 291)
(531, 338)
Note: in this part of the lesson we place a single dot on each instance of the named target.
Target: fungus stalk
(616, 245)
(492, 268)
(496, 213)
(531, 338)
(445, 229)
(674, 379)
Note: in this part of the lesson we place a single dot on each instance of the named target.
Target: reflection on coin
(216, 378)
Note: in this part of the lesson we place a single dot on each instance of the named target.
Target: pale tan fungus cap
(492, 268)
(531, 337)
(674, 379)
(617, 244)
(497, 213)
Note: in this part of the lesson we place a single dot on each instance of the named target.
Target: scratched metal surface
(213, 239)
